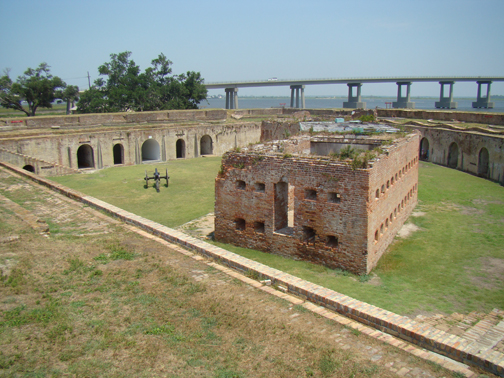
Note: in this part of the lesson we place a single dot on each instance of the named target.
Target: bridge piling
(295, 89)
(446, 102)
(354, 102)
(231, 98)
(483, 102)
(403, 102)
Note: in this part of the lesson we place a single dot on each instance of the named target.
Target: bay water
(337, 102)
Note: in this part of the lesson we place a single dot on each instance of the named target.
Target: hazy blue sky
(253, 40)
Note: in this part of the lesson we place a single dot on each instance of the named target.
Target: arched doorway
(180, 147)
(85, 156)
(118, 152)
(29, 168)
(150, 150)
(424, 149)
(453, 152)
(483, 162)
(206, 145)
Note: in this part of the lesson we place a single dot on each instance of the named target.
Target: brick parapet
(400, 326)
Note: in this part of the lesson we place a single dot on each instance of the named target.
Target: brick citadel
(296, 198)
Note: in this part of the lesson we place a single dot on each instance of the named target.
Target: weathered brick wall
(327, 200)
(393, 185)
(336, 213)
(275, 130)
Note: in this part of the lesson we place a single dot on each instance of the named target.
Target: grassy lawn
(190, 193)
(453, 263)
(94, 299)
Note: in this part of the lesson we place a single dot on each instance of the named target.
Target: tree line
(121, 87)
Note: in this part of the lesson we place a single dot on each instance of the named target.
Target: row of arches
(151, 151)
(453, 156)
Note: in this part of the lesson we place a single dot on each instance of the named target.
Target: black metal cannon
(157, 176)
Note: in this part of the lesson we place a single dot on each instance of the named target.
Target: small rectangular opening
(334, 197)
(259, 227)
(240, 224)
(310, 194)
(332, 241)
(309, 235)
(260, 187)
(240, 185)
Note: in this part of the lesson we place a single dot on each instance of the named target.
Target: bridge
(297, 88)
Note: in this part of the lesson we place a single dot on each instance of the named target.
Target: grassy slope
(441, 268)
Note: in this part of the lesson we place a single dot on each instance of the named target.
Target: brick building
(293, 199)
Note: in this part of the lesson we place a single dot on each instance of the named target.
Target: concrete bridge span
(354, 89)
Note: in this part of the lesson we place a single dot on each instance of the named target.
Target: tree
(124, 87)
(37, 87)
(70, 94)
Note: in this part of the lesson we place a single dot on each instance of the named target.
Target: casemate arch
(180, 148)
(453, 153)
(85, 156)
(483, 162)
(206, 145)
(118, 152)
(424, 149)
(150, 150)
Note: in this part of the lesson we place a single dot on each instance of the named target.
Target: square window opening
(310, 194)
(334, 197)
(240, 184)
(331, 241)
(240, 224)
(259, 227)
(260, 187)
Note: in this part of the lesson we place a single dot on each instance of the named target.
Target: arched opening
(453, 153)
(424, 149)
(29, 168)
(483, 161)
(150, 150)
(85, 156)
(206, 147)
(118, 152)
(180, 147)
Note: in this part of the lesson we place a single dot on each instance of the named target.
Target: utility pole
(89, 80)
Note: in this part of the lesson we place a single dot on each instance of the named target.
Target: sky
(236, 40)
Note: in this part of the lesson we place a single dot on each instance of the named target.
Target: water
(329, 103)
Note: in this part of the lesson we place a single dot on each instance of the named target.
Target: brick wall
(335, 213)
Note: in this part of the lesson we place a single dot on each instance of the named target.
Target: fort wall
(127, 145)
(474, 152)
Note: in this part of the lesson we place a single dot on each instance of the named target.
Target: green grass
(190, 194)
(443, 267)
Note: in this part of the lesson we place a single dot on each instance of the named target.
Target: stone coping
(385, 321)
